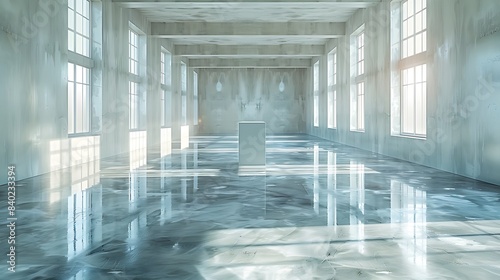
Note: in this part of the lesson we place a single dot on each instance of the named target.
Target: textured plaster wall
(33, 74)
(463, 94)
(251, 94)
(33, 88)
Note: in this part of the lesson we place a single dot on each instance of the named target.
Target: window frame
(404, 125)
(316, 86)
(135, 72)
(166, 86)
(195, 98)
(332, 89)
(184, 82)
(86, 22)
(358, 79)
(83, 60)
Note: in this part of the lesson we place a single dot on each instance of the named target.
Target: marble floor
(318, 210)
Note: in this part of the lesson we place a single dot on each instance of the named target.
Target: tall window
(195, 98)
(79, 65)
(133, 96)
(134, 79)
(79, 27)
(166, 86)
(316, 93)
(358, 80)
(411, 90)
(332, 89)
(133, 51)
(414, 29)
(184, 93)
(414, 99)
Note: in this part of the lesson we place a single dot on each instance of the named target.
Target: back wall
(227, 96)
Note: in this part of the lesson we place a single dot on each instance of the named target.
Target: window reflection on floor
(316, 178)
(409, 207)
(357, 203)
(332, 187)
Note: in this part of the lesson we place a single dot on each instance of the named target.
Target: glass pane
(87, 80)
(71, 106)
(411, 75)
(184, 109)
(423, 124)
(79, 104)
(411, 26)
(411, 46)
(316, 107)
(79, 44)
(85, 109)
(418, 22)
(71, 19)
(418, 74)
(411, 6)
(418, 43)
(418, 5)
(424, 41)
(79, 23)
(405, 48)
(410, 108)
(334, 110)
(405, 29)
(405, 9)
(421, 117)
(79, 6)
(86, 9)
(86, 27)
(79, 74)
(71, 41)
(71, 72)
(86, 45)
(163, 109)
(132, 52)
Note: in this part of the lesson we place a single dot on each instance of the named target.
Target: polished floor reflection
(319, 210)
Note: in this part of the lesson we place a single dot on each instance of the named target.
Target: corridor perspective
(249, 139)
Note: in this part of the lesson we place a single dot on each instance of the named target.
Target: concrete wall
(33, 88)
(463, 93)
(33, 82)
(241, 94)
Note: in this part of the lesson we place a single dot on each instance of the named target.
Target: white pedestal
(252, 143)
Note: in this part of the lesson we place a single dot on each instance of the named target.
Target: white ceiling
(250, 40)
(232, 14)
(249, 12)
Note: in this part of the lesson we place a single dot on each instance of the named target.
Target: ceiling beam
(247, 1)
(226, 29)
(255, 50)
(249, 63)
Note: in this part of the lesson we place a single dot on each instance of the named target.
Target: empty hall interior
(249, 139)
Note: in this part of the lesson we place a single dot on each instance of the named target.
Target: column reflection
(409, 209)
(166, 190)
(332, 188)
(357, 202)
(184, 169)
(316, 179)
(84, 218)
(137, 193)
(195, 166)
